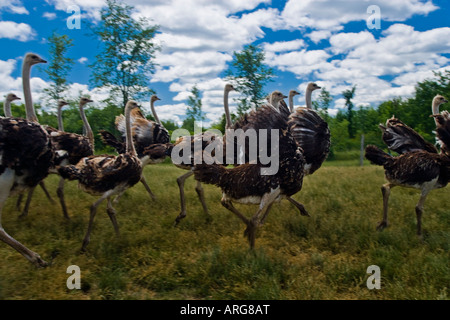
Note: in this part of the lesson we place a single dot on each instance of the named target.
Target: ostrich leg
(386, 191)
(33, 257)
(180, 181)
(201, 196)
(112, 215)
(60, 193)
(299, 206)
(419, 210)
(94, 206)
(144, 182)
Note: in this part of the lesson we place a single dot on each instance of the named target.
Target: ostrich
(10, 97)
(73, 146)
(245, 183)
(7, 111)
(26, 155)
(107, 176)
(418, 166)
(189, 142)
(145, 133)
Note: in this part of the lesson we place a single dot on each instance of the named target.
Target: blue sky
(326, 41)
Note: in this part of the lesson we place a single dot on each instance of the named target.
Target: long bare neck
(87, 128)
(60, 122)
(228, 122)
(152, 106)
(129, 139)
(308, 98)
(291, 102)
(29, 108)
(7, 108)
(435, 109)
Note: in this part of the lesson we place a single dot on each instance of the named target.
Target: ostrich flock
(30, 151)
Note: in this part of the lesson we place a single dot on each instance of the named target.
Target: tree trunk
(361, 155)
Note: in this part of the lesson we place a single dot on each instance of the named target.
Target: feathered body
(76, 146)
(26, 149)
(98, 174)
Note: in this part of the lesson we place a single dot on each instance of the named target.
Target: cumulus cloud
(14, 6)
(17, 31)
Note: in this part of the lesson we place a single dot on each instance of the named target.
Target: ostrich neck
(60, 122)
(152, 106)
(129, 139)
(308, 99)
(435, 110)
(7, 108)
(29, 108)
(228, 123)
(291, 103)
(87, 128)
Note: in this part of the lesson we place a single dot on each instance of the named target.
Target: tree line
(126, 58)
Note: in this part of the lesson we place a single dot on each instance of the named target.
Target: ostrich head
(293, 93)
(85, 100)
(275, 98)
(229, 87)
(62, 103)
(131, 104)
(11, 97)
(438, 100)
(32, 59)
(312, 86)
(154, 98)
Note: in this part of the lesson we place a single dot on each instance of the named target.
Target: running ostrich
(419, 164)
(73, 146)
(145, 133)
(247, 185)
(26, 155)
(188, 142)
(107, 176)
(10, 97)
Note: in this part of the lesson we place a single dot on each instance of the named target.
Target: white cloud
(82, 60)
(49, 15)
(14, 6)
(17, 31)
(282, 46)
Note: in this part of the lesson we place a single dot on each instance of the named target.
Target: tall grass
(322, 257)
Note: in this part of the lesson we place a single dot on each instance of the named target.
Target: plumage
(401, 138)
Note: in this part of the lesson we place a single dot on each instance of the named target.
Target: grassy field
(322, 257)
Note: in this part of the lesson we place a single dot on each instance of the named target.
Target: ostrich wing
(401, 138)
(311, 133)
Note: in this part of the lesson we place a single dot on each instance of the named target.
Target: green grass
(322, 257)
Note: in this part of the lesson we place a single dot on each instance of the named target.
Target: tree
(323, 102)
(194, 110)
(58, 67)
(125, 59)
(250, 75)
(348, 96)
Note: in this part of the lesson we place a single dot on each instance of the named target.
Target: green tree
(249, 75)
(58, 67)
(194, 110)
(127, 51)
(323, 103)
(348, 96)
